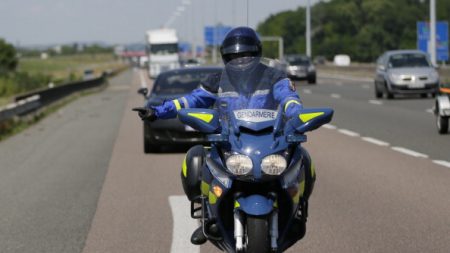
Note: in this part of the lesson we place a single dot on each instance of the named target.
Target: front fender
(443, 104)
(254, 205)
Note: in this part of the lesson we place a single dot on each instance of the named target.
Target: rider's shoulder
(211, 83)
(275, 74)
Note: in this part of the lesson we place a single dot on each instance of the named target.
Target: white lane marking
(375, 141)
(366, 86)
(430, 110)
(442, 163)
(143, 82)
(338, 83)
(375, 102)
(334, 95)
(348, 132)
(307, 91)
(329, 126)
(183, 225)
(409, 152)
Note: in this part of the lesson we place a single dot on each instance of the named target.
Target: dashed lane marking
(386, 144)
(338, 83)
(329, 126)
(348, 132)
(375, 141)
(143, 82)
(334, 95)
(183, 226)
(442, 163)
(307, 91)
(365, 86)
(409, 152)
(429, 110)
(375, 102)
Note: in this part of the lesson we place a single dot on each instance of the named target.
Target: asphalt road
(405, 122)
(52, 173)
(385, 193)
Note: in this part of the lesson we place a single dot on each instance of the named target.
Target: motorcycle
(253, 178)
(442, 108)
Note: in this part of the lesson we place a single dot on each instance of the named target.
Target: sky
(41, 22)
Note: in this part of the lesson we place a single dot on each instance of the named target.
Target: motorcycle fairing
(203, 120)
(255, 205)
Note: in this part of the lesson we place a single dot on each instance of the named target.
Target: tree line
(363, 29)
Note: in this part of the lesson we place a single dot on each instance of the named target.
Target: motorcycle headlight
(273, 164)
(239, 164)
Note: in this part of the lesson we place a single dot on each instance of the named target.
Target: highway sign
(423, 37)
(214, 34)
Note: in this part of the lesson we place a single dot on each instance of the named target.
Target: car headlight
(239, 164)
(395, 77)
(273, 164)
(311, 68)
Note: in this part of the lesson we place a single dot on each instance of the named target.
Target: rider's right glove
(146, 113)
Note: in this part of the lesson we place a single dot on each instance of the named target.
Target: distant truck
(162, 50)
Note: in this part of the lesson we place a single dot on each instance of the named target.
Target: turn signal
(217, 191)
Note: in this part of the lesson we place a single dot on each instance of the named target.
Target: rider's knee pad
(191, 171)
(310, 174)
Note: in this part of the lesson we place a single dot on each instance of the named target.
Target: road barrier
(30, 102)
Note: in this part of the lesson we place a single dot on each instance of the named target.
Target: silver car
(405, 72)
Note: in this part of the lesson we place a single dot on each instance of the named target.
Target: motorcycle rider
(272, 89)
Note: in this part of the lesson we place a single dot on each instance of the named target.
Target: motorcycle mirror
(203, 120)
(309, 119)
(143, 91)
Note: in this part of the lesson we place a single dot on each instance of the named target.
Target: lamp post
(432, 49)
(308, 28)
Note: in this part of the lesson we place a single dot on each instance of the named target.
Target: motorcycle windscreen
(246, 96)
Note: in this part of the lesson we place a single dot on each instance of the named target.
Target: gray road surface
(52, 173)
(368, 197)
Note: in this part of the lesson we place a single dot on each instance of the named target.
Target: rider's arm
(285, 94)
(202, 97)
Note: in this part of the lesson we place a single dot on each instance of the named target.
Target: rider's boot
(198, 237)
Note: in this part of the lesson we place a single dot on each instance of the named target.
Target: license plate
(189, 129)
(416, 85)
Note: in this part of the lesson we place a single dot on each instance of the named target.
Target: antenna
(247, 12)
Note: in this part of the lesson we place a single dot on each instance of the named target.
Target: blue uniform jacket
(271, 90)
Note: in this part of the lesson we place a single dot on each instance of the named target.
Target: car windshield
(159, 49)
(181, 82)
(298, 61)
(408, 61)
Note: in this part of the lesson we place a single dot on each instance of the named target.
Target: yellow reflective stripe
(184, 168)
(206, 117)
(301, 190)
(313, 169)
(177, 104)
(212, 198)
(236, 204)
(290, 102)
(305, 117)
(205, 188)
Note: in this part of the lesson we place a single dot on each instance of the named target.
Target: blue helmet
(240, 42)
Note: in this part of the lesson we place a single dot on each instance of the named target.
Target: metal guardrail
(32, 101)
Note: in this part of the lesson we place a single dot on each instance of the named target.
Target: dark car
(167, 86)
(405, 72)
(300, 67)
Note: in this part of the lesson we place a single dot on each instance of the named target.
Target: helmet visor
(236, 45)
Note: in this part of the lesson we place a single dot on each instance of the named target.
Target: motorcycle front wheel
(258, 240)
